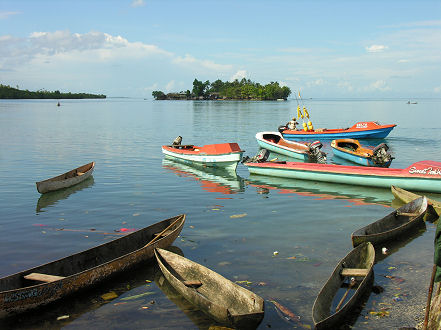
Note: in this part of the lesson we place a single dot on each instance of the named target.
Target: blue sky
(132, 47)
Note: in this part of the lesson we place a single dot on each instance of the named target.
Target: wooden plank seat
(407, 214)
(192, 283)
(80, 173)
(354, 272)
(43, 277)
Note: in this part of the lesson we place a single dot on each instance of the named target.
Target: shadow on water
(210, 179)
(358, 195)
(52, 198)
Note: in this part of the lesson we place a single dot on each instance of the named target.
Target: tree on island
(244, 89)
(8, 92)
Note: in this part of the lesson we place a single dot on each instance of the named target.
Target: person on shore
(292, 124)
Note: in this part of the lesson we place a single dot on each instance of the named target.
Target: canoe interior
(351, 146)
(90, 258)
(209, 149)
(324, 314)
(216, 295)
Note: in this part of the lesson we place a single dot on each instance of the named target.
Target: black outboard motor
(316, 155)
(282, 128)
(261, 157)
(177, 141)
(380, 156)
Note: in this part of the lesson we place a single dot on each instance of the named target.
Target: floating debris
(109, 296)
(63, 317)
(138, 296)
(247, 283)
(238, 215)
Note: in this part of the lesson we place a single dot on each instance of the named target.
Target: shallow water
(284, 236)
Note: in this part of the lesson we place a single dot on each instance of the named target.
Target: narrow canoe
(46, 283)
(420, 176)
(357, 264)
(407, 196)
(351, 149)
(223, 155)
(394, 225)
(274, 141)
(218, 297)
(67, 179)
(360, 130)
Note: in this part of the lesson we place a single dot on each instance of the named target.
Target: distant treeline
(8, 92)
(244, 89)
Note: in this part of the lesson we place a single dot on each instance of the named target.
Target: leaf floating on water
(247, 283)
(291, 258)
(136, 214)
(224, 263)
(288, 315)
(138, 296)
(148, 281)
(119, 303)
(109, 296)
(215, 209)
(192, 227)
(238, 215)
(392, 267)
(62, 317)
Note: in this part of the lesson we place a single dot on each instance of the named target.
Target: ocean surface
(279, 238)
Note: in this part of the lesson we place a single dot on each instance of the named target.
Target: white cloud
(192, 62)
(437, 89)
(170, 86)
(6, 14)
(138, 3)
(403, 61)
(345, 86)
(239, 75)
(376, 48)
(317, 82)
(379, 85)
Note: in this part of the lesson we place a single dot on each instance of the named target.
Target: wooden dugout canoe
(46, 283)
(218, 297)
(407, 196)
(393, 225)
(358, 264)
(67, 179)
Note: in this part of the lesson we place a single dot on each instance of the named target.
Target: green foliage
(238, 90)
(158, 95)
(8, 92)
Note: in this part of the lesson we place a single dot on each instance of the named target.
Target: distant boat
(67, 179)
(394, 225)
(412, 102)
(361, 130)
(218, 297)
(358, 264)
(46, 283)
(352, 150)
(274, 141)
(223, 155)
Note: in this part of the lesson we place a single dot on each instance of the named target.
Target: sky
(339, 48)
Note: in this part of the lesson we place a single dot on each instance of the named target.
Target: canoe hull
(407, 197)
(84, 269)
(283, 147)
(236, 306)
(67, 179)
(362, 256)
(420, 176)
(361, 130)
(392, 226)
(225, 155)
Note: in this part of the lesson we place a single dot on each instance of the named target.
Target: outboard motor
(177, 141)
(261, 157)
(281, 128)
(316, 154)
(380, 156)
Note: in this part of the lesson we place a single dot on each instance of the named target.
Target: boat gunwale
(59, 177)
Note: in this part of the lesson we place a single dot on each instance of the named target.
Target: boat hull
(226, 155)
(420, 176)
(282, 146)
(407, 196)
(84, 269)
(394, 225)
(362, 257)
(361, 130)
(67, 179)
(218, 297)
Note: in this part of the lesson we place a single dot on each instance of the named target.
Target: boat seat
(43, 277)
(80, 173)
(192, 283)
(166, 233)
(354, 272)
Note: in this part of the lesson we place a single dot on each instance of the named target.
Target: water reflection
(357, 195)
(53, 197)
(211, 179)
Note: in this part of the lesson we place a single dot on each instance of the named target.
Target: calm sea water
(284, 237)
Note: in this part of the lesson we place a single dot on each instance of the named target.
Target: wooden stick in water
(351, 284)
(429, 298)
(162, 232)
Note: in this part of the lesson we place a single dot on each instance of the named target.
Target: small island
(8, 92)
(244, 89)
